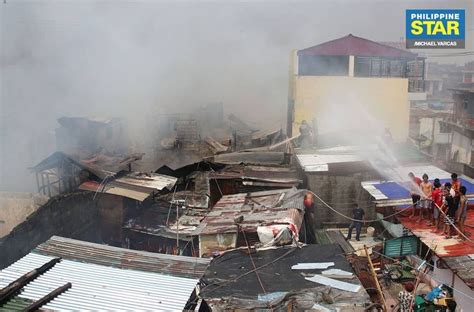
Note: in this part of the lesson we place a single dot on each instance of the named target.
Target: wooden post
(37, 181)
(49, 185)
(374, 275)
(42, 183)
(177, 229)
(49, 297)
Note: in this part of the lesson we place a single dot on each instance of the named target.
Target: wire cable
(352, 219)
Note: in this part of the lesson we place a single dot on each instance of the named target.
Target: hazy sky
(136, 59)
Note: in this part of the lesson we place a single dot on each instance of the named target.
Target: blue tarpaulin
(394, 190)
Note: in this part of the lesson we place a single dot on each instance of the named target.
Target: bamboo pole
(374, 275)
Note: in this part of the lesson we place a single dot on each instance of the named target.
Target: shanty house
(269, 217)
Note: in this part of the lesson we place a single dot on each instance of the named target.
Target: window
(362, 66)
(378, 67)
(323, 65)
(396, 68)
(443, 127)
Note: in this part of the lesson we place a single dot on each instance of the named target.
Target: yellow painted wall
(351, 101)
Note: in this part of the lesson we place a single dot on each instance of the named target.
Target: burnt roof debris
(100, 165)
(230, 282)
(251, 157)
(190, 168)
(135, 185)
(271, 176)
(258, 209)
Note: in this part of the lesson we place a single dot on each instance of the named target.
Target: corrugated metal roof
(153, 181)
(262, 208)
(249, 173)
(464, 268)
(320, 162)
(134, 185)
(97, 287)
(390, 193)
(352, 45)
(253, 157)
(72, 249)
(115, 190)
(436, 241)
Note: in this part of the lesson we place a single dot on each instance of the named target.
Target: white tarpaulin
(323, 280)
(312, 266)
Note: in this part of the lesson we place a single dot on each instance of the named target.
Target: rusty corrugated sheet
(262, 208)
(464, 268)
(253, 175)
(72, 249)
(137, 186)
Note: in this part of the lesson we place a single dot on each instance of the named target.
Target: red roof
(436, 241)
(352, 45)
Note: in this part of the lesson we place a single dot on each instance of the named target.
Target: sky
(139, 59)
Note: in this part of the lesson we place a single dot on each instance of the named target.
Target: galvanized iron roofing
(76, 250)
(98, 287)
(107, 278)
(134, 185)
(321, 162)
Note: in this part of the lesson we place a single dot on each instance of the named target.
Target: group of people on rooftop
(438, 204)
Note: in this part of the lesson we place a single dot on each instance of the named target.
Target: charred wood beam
(42, 184)
(37, 182)
(14, 287)
(49, 185)
(42, 301)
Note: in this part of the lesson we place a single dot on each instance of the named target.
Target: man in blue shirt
(358, 218)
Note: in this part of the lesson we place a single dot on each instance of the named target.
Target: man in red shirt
(415, 191)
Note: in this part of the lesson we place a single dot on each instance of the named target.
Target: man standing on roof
(358, 218)
(425, 202)
(306, 134)
(449, 196)
(415, 191)
(456, 185)
(462, 212)
(437, 201)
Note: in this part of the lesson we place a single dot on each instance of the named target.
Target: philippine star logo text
(441, 29)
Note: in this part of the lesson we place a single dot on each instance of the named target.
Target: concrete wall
(338, 102)
(73, 216)
(462, 145)
(16, 207)
(340, 192)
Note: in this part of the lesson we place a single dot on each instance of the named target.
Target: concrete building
(461, 124)
(353, 75)
(431, 134)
